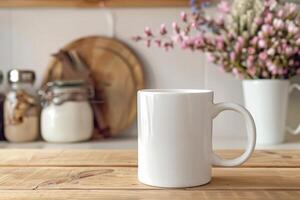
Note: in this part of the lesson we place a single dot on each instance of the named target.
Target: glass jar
(21, 108)
(67, 115)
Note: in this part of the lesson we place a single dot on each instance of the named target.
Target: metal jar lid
(58, 92)
(21, 76)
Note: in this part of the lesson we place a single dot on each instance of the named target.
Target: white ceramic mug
(175, 137)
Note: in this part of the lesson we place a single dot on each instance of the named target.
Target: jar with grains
(21, 107)
(2, 97)
(67, 115)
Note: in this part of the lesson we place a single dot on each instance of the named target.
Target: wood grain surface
(112, 178)
(92, 3)
(112, 174)
(128, 158)
(150, 194)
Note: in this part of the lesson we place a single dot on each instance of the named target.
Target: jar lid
(58, 92)
(21, 76)
(66, 84)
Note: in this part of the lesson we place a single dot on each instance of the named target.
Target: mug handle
(289, 129)
(251, 134)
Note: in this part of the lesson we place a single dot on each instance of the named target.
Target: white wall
(29, 36)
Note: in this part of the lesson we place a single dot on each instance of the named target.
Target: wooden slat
(92, 3)
(150, 195)
(101, 178)
(11, 157)
(36, 157)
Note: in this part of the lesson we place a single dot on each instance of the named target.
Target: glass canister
(21, 107)
(67, 115)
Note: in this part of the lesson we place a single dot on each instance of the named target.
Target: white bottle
(67, 115)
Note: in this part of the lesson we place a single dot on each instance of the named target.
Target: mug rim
(175, 91)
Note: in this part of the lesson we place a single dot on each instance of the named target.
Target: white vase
(267, 100)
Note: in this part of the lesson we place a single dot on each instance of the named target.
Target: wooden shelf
(91, 3)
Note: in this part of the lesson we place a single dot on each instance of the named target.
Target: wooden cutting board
(117, 74)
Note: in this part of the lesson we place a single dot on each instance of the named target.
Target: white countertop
(130, 142)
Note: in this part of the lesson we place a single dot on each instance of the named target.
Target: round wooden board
(117, 74)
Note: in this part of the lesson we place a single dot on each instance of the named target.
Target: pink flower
(274, 71)
(241, 40)
(194, 25)
(210, 57)
(223, 6)
(199, 41)
(271, 66)
(263, 56)
(220, 45)
(270, 3)
(254, 40)
(288, 50)
(163, 29)
(237, 74)
(281, 71)
(290, 8)
(175, 27)
(279, 49)
(292, 28)
(251, 50)
(249, 63)
(262, 43)
(235, 71)
(265, 74)
(183, 16)
(158, 43)
(260, 35)
(298, 41)
(258, 21)
(220, 20)
(251, 57)
(237, 47)
(177, 38)
(251, 71)
(280, 13)
(148, 32)
(232, 56)
(278, 24)
(267, 29)
(269, 18)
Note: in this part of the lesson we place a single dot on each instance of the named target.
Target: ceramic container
(267, 100)
(175, 137)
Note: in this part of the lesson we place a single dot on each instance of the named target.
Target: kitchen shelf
(130, 142)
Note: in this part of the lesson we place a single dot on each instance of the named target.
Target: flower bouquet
(257, 41)
(253, 39)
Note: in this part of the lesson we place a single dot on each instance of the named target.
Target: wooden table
(111, 174)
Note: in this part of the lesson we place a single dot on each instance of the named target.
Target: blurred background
(29, 36)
